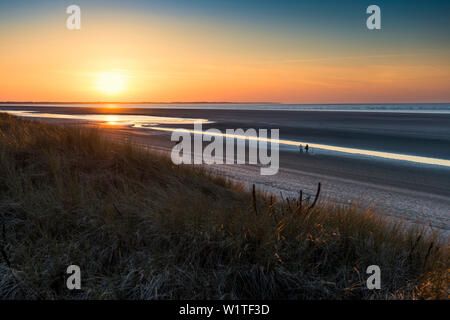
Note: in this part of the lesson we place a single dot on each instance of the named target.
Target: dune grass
(140, 227)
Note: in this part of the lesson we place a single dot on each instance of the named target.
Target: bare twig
(414, 245)
(427, 255)
(316, 198)
(254, 199)
(288, 203)
(300, 199)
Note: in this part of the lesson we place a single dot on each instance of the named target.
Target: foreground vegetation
(141, 228)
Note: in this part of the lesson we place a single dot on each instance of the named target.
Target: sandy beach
(411, 191)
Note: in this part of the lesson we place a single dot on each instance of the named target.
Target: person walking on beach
(300, 148)
(306, 148)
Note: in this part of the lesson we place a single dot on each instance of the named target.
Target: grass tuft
(142, 228)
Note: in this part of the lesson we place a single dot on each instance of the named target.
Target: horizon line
(209, 102)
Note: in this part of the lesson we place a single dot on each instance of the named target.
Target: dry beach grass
(142, 228)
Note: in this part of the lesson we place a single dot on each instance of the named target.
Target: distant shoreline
(143, 102)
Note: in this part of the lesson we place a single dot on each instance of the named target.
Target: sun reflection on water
(151, 122)
(136, 121)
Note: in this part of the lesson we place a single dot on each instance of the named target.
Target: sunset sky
(210, 50)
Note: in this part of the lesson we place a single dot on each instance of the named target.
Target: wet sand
(410, 191)
(407, 133)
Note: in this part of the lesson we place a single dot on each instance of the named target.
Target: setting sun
(110, 82)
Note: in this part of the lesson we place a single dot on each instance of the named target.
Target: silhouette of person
(306, 148)
(300, 148)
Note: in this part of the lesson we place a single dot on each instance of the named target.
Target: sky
(216, 50)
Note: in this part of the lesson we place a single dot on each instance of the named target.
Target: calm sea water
(437, 108)
(157, 123)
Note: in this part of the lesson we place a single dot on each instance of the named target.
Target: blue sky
(293, 41)
(414, 22)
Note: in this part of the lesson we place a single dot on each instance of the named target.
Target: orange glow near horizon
(153, 61)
